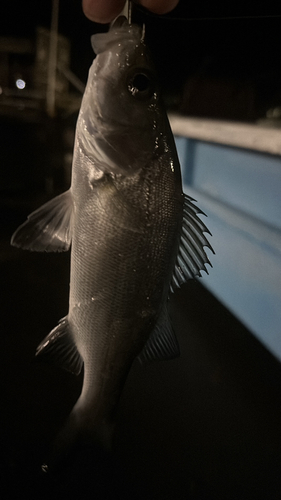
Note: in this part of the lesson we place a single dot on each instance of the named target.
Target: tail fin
(64, 442)
(75, 432)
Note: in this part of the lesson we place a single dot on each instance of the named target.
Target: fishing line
(196, 19)
(129, 6)
(143, 32)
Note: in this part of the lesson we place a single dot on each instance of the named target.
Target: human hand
(104, 11)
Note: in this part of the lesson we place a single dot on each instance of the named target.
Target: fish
(135, 237)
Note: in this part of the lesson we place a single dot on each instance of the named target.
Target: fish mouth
(120, 32)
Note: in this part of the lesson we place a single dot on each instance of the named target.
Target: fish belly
(120, 269)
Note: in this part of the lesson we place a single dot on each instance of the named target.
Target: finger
(158, 6)
(102, 11)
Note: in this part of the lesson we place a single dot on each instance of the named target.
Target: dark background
(235, 43)
(207, 425)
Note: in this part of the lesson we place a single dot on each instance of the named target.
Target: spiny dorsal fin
(191, 258)
(59, 348)
(48, 228)
(162, 343)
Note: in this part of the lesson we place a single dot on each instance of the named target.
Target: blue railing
(237, 183)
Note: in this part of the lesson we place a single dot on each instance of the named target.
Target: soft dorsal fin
(162, 343)
(48, 228)
(191, 258)
(59, 348)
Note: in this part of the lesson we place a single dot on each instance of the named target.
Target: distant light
(1, 90)
(20, 83)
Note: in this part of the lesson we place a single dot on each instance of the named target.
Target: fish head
(119, 121)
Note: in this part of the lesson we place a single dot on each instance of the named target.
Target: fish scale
(134, 235)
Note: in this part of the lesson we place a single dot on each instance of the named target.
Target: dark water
(203, 427)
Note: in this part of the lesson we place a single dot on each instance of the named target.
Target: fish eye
(141, 82)
(141, 85)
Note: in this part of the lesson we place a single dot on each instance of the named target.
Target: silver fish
(134, 236)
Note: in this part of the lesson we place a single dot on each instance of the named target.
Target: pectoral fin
(191, 257)
(48, 228)
(162, 343)
(59, 347)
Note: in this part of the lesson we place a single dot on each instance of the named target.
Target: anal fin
(162, 343)
(59, 348)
